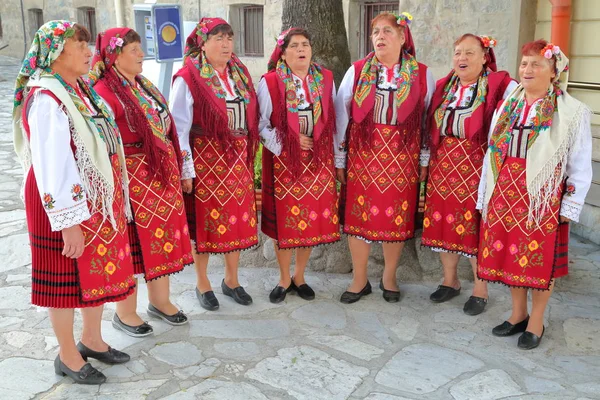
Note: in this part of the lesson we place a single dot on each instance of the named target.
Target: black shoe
(444, 293)
(142, 330)
(391, 296)
(179, 318)
(278, 294)
(528, 340)
(508, 329)
(208, 301)
(303, 290)
(111, 356)
(475, 305)
(238, 294)
(87, 375)
(350, 297)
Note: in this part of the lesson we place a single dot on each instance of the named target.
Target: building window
(369, 11)
(86, 16)
(36, 19)
(253, 31)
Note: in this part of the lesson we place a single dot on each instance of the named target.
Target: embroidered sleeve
(509, 88)
(579, 172)
(425, 153)
(182, 109)
(56, 172)
(268, 135)
(342, 114)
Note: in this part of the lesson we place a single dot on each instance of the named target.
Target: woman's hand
(74, 242)
(306, 142)
(341, 175)
(186, 185)
(564, 220)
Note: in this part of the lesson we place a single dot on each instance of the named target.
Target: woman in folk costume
(380, 108)
(297, 125)
(536, 174)
(216, 114)
(158, 234)
(459, 121)
(74, 200)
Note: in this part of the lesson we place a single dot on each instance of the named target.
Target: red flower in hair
(58, 31)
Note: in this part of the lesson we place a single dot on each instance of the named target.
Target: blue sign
(168, 34)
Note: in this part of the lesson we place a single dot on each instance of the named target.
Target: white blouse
(267, 131)
(343, 107)
(469, 92)
(53, 163)
(578, 171)
(182, 110)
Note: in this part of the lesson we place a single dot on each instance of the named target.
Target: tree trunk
(325, 21)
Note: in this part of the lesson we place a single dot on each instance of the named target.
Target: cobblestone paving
(300, 350)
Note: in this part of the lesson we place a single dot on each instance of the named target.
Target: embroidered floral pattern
(77, 192)
(48, 201)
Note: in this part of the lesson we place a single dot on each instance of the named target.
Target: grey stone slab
(14, 252)
(240, 329)
(238, 350)
(39, 375)
(307, 373)
(423, 368)
(213, 389)
(370, 324)
(15, 278)
(489, 385)
(406, 329)
(15, 298)
(592, 387)
(321, 315)
(17, 339)
(10, 322)
(582, 335)
(384, 396)
(454, 316)
(179, 354)
(208, 368)
(579, 365)
(348, 345)
(539, 385)
(118, 371)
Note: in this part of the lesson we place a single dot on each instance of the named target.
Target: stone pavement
(301, 350)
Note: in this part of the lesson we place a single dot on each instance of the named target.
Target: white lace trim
(340, 161)
(69, 217)
(187, 170)
(570, 210)
(424, 158)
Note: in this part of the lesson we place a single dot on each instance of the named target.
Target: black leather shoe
(208, 301)
(528, 340)
(391, 296)
(508, 329)
(351, 297)
(142, 330)
(444, 293)
(179, 318)
(111, 356)
(87, 375)
(238, 294)
(278, 294)
(303, 290)
(475, 305)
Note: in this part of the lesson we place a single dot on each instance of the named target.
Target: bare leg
(538, 308)
(480, 288)
(92, 328)
(62, 324)
(232, 261)
(391, 257)
(284, 259)
(159, 292)
(201, 264)
(302, 257)
(359, 249)
(450, 265)
(127, 310)
(519, 305)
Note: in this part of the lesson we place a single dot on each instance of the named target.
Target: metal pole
(25, 46)
(164, 78)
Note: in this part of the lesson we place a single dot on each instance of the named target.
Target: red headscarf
(108, 48)
(277, 51)
(196, 39)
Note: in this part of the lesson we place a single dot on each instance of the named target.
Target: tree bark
(325, 21)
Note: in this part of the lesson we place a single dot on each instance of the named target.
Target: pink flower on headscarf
(548, 54)
(116, 42)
